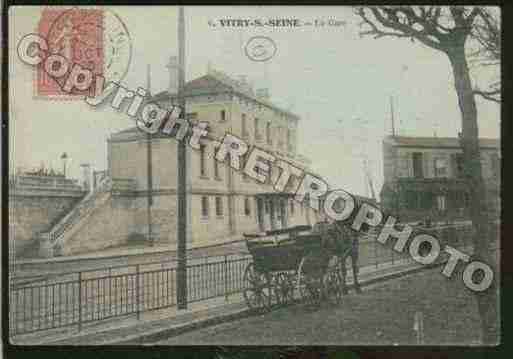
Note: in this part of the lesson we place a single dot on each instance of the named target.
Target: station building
(135, 198)
(224, 202)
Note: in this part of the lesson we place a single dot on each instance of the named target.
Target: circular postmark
(96, 39)
(118, 47)
(260, 48)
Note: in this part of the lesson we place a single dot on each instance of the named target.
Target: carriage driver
(344, 241)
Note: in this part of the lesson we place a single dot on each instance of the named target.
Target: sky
(339, 83)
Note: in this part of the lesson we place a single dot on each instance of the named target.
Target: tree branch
(469, 20)
(405, 30)
(489, 95)
(374, 29)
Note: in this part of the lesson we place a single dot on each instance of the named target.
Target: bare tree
(447, 29)
(487, 33)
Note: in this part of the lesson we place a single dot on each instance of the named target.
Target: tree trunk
(487, 300)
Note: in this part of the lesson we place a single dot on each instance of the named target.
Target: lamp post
(64, 159)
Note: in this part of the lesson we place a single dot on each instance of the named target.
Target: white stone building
(223, 203)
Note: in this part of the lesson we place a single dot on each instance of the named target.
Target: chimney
(262, 93)
(172, 67)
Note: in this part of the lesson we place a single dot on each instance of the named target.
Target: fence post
(137, 291)
(375, 254)
(225, 278)
(80, 301)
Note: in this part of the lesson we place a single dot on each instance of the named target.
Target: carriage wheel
(333, 285)
(310, 279)
(257, 289)
(284, 288)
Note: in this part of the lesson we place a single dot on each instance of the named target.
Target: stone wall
(122, 219)
(110, 224)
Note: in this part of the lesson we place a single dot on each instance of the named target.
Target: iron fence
(87, 299)
(75, 299)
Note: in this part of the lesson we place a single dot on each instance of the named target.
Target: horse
(343, 243)
(351, 250)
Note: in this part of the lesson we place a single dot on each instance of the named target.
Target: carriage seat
(291, 230)
(253, 235)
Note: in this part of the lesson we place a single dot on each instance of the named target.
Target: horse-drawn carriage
(300, 259)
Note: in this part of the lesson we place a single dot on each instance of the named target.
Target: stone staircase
(52, 242)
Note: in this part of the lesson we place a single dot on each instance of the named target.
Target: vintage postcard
(253, 175)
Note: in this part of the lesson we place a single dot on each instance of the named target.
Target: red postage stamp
(77, 34)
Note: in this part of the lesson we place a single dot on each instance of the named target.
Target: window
(280, 139)
(203, 167)
(417, 165)
(426, 200)
(458, 200)
(219, 206)
(411, 199)
(458, 165)
(204, 207)
(466, 199)
(292, 208)
(279, 210)
(267, 205)
(216, 168)
(223, 115)
(440, 201)
(257, 127)
(269, 174)
(247, 207)
(243, 160)
(244, 126)
(289, 140)
(440, 167)
(495, 164)
(268, 133)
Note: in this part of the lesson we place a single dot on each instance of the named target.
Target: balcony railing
(43, 182)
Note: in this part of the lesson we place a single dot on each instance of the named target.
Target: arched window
(204, 207)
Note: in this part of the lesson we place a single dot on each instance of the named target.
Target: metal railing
(85, 298)
(77, 298)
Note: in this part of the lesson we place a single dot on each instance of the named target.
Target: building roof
(212, 83)
(438, 142)
(217, 82)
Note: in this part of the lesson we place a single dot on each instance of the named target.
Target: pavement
(424, 308)
(160, 324)
(130, 251)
